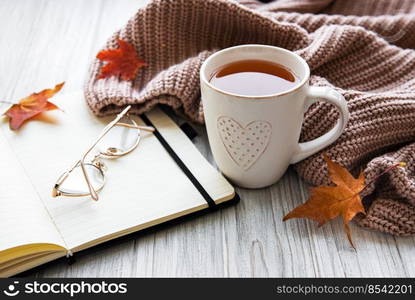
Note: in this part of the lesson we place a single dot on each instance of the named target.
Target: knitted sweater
(364, 49)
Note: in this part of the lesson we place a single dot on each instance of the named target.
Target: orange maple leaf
(328, 202)
(31, 106)
(122, 62)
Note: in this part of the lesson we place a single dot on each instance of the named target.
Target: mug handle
(315, 94)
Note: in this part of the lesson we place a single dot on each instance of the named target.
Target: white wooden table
(46, 42)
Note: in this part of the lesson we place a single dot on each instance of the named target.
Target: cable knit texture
(364, 49)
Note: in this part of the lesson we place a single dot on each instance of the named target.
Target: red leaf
(31, 106)
(122, 62)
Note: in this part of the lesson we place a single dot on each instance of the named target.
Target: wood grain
(46, 42)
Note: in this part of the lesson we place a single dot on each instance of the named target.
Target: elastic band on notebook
(180, 163)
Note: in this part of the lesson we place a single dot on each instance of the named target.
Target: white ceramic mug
(255, 138)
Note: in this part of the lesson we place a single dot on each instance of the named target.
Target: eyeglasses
(118, 138)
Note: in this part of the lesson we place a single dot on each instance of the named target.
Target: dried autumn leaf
(31, 106)
(122, 62)
(328, 202)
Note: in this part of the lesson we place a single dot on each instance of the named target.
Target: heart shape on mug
(245, 145)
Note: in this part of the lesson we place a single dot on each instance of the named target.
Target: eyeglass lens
(76, 184)
(120, 139)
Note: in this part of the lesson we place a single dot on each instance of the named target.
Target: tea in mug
(253, 78)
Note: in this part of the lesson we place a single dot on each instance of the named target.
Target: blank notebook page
(24, 219)
(143, 188)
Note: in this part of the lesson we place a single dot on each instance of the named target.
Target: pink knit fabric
(362, 48)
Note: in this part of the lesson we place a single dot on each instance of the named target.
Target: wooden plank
(45, 42)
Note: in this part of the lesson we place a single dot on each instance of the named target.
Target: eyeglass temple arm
(145, 128)
(112, 124)
(107, 128)
(92, 191)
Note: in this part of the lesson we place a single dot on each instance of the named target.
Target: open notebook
(144, 188)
